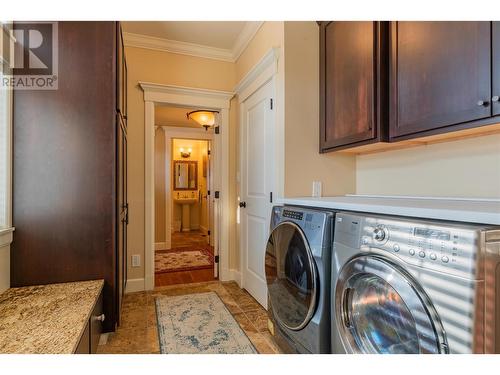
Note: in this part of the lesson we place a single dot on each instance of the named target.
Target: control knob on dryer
(379, 234)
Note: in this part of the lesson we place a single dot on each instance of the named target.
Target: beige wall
(164, 68)
(303, 163)
(465, 168)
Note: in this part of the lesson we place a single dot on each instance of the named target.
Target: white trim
(193, 49)
(176, 46)
(135, 285)
(245, 38)
(161, 246)
(192, 97)
(236, 276)
(258, 75)
(6, 236)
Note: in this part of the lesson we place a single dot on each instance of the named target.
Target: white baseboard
(236, 276)
(134, 285)
(161, 246)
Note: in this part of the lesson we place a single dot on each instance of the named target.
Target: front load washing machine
(297, 267)
(414, 286)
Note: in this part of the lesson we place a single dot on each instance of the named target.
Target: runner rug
(183, 259)
(199, 324)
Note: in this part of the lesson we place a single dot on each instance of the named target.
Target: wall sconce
(185, 154)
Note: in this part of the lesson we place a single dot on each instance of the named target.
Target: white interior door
(257, 177)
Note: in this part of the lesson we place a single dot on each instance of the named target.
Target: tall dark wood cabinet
(440, 75)
(69, 171)
(353, 83)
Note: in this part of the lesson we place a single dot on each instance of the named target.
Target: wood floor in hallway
(191, 239)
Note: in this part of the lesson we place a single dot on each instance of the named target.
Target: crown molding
(245, 38)
(192, 49)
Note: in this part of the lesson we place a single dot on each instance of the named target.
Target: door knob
(482, 103)
(495, 98)
(243, 204)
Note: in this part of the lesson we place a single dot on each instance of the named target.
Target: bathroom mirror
(185, 175)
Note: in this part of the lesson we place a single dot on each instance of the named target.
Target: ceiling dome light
(205, 118)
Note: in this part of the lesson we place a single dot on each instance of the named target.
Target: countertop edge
(464, 216)
(88, 317)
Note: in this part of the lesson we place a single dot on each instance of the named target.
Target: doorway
(184, 206)
(156, 95)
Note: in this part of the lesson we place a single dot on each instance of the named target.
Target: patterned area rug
(183, 259)
(199, 324)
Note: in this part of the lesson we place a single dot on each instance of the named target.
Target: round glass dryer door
(379, 308)
(291, 276)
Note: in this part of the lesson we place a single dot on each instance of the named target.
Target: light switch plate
(136, 260)
(316, 189)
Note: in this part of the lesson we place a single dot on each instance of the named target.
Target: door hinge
(208, 192)
(208, 152)
(217, 130)
(217, 195)
(271, 197)
(208, 233)
(216, 259)
(271, 103)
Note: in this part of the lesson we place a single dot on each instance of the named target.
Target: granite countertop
(481, 211)
(48, 319)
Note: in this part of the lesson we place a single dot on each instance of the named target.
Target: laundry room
(311, 186)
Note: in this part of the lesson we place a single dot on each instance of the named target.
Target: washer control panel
(451, 248)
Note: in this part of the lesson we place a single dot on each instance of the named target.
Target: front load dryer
(407, 286)
(297, 267)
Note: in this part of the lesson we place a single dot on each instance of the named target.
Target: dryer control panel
(450, 247)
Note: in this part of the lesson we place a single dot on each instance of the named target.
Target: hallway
(190, 260)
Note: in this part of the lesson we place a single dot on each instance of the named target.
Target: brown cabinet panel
(350, 82)
(64, 168)
(496, 68)
(96, 322)
(84, 344)
(439, 75)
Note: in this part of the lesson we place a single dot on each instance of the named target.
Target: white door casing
(192, 97)
(257, 185)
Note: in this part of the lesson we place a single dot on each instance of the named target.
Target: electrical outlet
(136, 260)
(316, 189)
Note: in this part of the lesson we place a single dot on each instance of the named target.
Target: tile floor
(138, 333)
(186, 239)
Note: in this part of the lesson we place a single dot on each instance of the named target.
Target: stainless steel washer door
(291, 276)
(381, 309)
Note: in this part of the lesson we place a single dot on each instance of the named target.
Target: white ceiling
(215, 34)
(174, 116)
(223, 40)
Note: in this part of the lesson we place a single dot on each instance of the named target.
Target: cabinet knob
(495, 98)
(100, 318)
(482, 103)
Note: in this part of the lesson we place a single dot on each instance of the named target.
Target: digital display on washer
(431, 233)
(293, 214)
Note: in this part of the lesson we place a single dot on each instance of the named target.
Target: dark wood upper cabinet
(352, 83)
(496, 68)
(440, 75)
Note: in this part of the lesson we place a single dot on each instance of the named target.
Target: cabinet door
(440, 75)
(496, 68)
(347, 83)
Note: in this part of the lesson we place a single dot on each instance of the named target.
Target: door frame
(268, 69)
(171, 133)
(187, 97)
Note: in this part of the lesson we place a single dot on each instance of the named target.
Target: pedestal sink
(185, 199)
